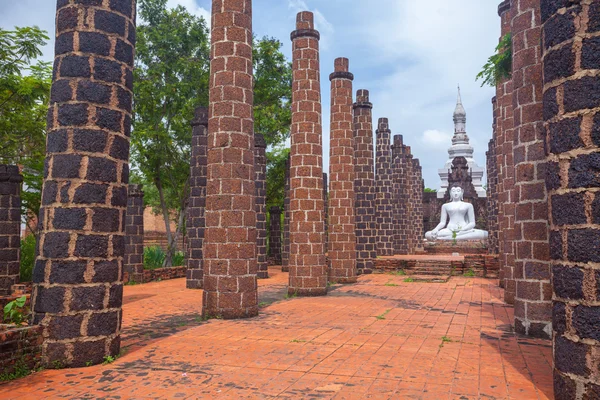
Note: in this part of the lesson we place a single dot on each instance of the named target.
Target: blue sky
(409, 54)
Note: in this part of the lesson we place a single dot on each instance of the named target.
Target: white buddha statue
(462, 220)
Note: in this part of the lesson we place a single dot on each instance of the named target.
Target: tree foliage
(24, 94)
(498, 66)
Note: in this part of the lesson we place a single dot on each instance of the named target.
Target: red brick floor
(381, 338)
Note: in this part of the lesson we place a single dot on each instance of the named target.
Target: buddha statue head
(457, 193)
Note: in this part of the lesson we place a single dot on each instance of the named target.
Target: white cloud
(193, 8)
(324, 27)
(436, 139)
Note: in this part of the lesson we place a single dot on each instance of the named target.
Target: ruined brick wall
(133, 262)
(405, 226)
(384, 186)
(275, 235)
(342, 227)
(10, 227)
(308, 270)
(397, 192)
(364, 183)
(285, 254)
(197, 200)
(260, 181)
(571, 110)
(230, 267)
(418, 188)
(77, 292)
(492, 198)
(533, 298)
(431, 210)
(20, 346)
(505, 168)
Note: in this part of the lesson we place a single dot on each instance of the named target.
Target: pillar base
(262, 275)
(302, 292)
(344, 281)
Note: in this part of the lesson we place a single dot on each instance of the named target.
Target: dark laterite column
(285, 254)
(326, 209)
(492, 198)
(402, 182)
(77, 291)
(397, 187)
(134, 235)
(197, 200)
(383, 182)
(275, 236)
(571, 109)
(364, 183)
(419, 187)
(342, 227)
(308, 271)
(260, 181)
(10, 227)
(411, 207)
(230, 288)
(533, 298)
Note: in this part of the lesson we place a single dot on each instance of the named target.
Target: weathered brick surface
(383, 183)
(10, 227)
(77, 291)
(399, 190)
(342, 227)
(492, 189)
(533, 305)
(275, 235)
(230, 264)
(196, 220)
(20, 347)
(505, 170)
(285, 254)
(571, 106)
(418, 186)
(308, 270)
(134, 235)
(326, 208)
(260, 181)
(364, 184)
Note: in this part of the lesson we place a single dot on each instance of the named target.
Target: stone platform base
(462, 248)
(483, 266)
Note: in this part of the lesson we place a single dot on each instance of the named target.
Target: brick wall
(21, 347)
(10, 227)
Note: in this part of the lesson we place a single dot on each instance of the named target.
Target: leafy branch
(498, 66)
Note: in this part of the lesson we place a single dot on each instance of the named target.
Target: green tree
(24, 94)
(171, 80)
(498, 66)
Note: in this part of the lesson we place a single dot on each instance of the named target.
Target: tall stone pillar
(230, 267)
(402, 183)
(506, 170)
(326, 210)
(533, 299)
(364, 183)
(275, 235)
(383, 182)
(77, 292)
(419, 188)
(397, 188)
(411, 209)
(10, 227)
(571, 109)
(342, 228)
(197, 200)
(308, 271)
(134, 235)
(285, 261)
(492, 197)
(260, 180)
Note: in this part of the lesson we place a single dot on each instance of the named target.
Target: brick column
(397, 194)
(411, 207)
(533, 299)
(260, 181)
(418, 188)
(77, 292)
(571, 109)
(10, 227)
(285, 255)
(134, 235)
(383, 182)
(364, 183)
(492, 198)
(342, 234)
(308, 271)
(505, 165)
(275, 235)
(197, 200)
(326, 210)
(404, 225)
(230, 288)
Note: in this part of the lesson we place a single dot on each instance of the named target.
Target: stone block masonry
(342, 228)
(196, 220)
(383, 183)
(571, 110)
(285, 254)
(77, 292)
(260, 181)
(230, 264)
(275, 235)
(418, 187)
(400, 191)
(134, 235)
(308, 271)
(533, 296)
(326, 208)
(10, 227)
(364, 183)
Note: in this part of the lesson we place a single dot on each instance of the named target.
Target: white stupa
(460, 147)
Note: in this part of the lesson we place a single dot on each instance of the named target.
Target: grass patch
(390, 283)
(297, 341)
(445, 339)
(263, 304)
(408, 280)
(400, 272)
(291, 296)
(21, 370)
(382, 316)
(469, 273)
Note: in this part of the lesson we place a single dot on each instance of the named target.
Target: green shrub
(179, 259)
(16, 312)
(154, 257)
(27, 258)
